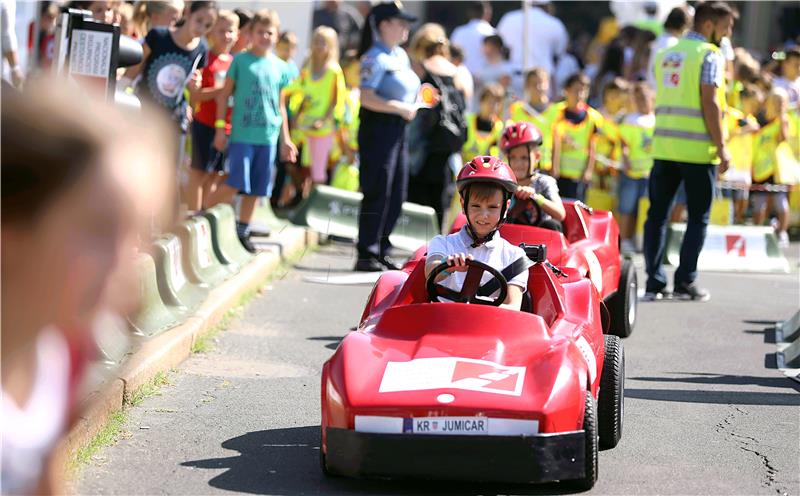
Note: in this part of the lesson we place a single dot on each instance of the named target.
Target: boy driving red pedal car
(486, 185)
(536, 201)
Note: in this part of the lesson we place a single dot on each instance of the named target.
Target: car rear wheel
(591, 447)
(622, 304)
(611, 399)
(323, 463)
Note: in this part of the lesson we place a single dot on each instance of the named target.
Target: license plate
(478, 426)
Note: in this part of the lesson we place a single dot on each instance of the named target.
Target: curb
(167, 350)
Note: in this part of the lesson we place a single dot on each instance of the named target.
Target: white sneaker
(627, 246)
(783, 239)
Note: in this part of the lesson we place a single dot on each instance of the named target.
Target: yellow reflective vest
(608, 148)
(638, 137)
(740, 144)
(681, 133)
(480, 142)
(318, 96)
(520, 111)
(764, 156)
(575, 141)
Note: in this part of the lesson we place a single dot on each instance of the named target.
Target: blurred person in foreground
(80, 182)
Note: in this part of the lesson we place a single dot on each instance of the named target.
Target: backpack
(450, 127)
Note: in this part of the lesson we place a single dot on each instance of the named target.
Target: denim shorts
(250, 168)
(629, 191)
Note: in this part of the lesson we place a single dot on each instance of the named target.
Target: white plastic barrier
(732, 249)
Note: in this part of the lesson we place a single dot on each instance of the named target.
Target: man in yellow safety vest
(688, 145)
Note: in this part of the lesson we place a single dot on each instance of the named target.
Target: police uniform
(383, 151)
(682, 152)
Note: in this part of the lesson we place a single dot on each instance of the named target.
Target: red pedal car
(590, 243)
(432, 389)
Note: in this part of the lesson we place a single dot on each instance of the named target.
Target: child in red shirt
(207, 170)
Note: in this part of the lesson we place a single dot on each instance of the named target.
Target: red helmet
(487, 169)
(520, 133)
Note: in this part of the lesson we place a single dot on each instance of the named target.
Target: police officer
(389, 90)
(688, 145)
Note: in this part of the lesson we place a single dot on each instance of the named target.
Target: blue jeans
(666, 176)
(629, 192)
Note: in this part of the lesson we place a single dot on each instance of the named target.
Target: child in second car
(521, 143)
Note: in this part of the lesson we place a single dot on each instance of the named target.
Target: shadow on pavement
(768, 332)
(286, 462)
(770, 323)
(737, 380)
(716, 397)
(334, 340)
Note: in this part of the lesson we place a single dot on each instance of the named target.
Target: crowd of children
(228, 81)
(198, 66)
(603, 156)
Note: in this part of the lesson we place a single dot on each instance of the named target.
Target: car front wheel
(611, 399)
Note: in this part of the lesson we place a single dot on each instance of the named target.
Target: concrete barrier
(787, 337)
(227, 246)
(200, 264)
(176, 290)
(732, 249)
(334, 212)
(153, 316)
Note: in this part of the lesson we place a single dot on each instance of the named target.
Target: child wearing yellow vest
(321, 83)
(346, 174)
(789, 80)
(774, 131)
(616, 97)
(636, 135)
(537, 110)
(742, 126)
(485, 128)
(575, 128)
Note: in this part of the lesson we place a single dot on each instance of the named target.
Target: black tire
(323, 463)
(591, 447)
(611, 399)
(622, 304)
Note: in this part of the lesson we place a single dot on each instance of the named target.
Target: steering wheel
(526, 212)
(472, 283)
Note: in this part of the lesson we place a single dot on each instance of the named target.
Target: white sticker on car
(588, 355)
(454, 373)
(595, 270)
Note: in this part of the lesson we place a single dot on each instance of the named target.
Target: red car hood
(455, 359)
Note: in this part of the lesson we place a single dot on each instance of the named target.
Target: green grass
(151, 388)
(107, 436)
(114, 427)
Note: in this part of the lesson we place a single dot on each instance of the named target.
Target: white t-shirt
(470, 38)
(496, 252)
(791, 87)
(641, 120)
(547, 38)
(30, 431)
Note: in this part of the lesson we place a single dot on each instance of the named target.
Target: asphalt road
(706, 412)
